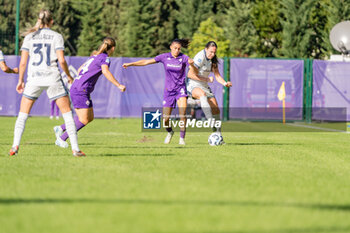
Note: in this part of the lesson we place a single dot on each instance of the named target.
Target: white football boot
(58, 133)
(168, 137)
(182, 141)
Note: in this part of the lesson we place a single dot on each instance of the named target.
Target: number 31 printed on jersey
(37, 50)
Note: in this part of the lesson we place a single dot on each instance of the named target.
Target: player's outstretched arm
(219, 79)
(143, 62)
(110, 77)
(63, 64)
(7, 69)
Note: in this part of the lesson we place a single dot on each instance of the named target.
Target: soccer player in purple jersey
(175, 64)
(84, 85)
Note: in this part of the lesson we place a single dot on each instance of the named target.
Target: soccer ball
(215, 139)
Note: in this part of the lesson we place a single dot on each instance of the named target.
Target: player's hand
(190, 61)
(228, 84)
(210, 79)
(122, 88)
(20, 87)
(15, 70)
(126, 65)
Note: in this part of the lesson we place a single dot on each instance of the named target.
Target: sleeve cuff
(24, 49)
(59, 48)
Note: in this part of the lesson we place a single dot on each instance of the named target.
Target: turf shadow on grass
(289, 230)
(261, 144)
(317, 206)
(252, 144)
(51, 143)
(146, 147)
(150, 154)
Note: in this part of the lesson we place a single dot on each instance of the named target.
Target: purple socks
(182, 134)
(53, 108)
(78, 124)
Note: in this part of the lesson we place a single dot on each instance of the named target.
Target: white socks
(68, 119)
(206, 107)
(19, 128)
(71, 130)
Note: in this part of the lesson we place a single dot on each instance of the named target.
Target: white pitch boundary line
(314, 127)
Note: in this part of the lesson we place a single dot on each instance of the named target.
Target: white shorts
(54, 91)
(192, 85)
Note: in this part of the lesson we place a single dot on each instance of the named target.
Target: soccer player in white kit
(43, 47)
(4, 67)
(197, 86)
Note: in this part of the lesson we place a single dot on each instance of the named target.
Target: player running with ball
(84, 85)
(206, 62)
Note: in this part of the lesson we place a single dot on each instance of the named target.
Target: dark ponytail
(214, 60)
(183, 42)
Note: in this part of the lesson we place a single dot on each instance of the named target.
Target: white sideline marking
(315, 127)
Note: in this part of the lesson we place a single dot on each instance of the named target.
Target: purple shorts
(80, 99)
(170, 97)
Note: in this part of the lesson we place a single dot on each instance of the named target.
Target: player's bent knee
(198, 93)
(201, 93)
(85, 121)
(216, 111)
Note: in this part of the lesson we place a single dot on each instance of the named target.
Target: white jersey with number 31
(42, 66)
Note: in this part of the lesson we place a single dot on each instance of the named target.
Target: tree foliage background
(145, 28)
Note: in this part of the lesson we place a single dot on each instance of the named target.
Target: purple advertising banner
(144, 88)
(331, 90)
(256, 83)
(9, 98)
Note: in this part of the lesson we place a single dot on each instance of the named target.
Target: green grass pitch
(131, 182)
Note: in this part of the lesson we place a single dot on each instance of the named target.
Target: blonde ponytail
(44, 19)
(93, 53)
(107, 44)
